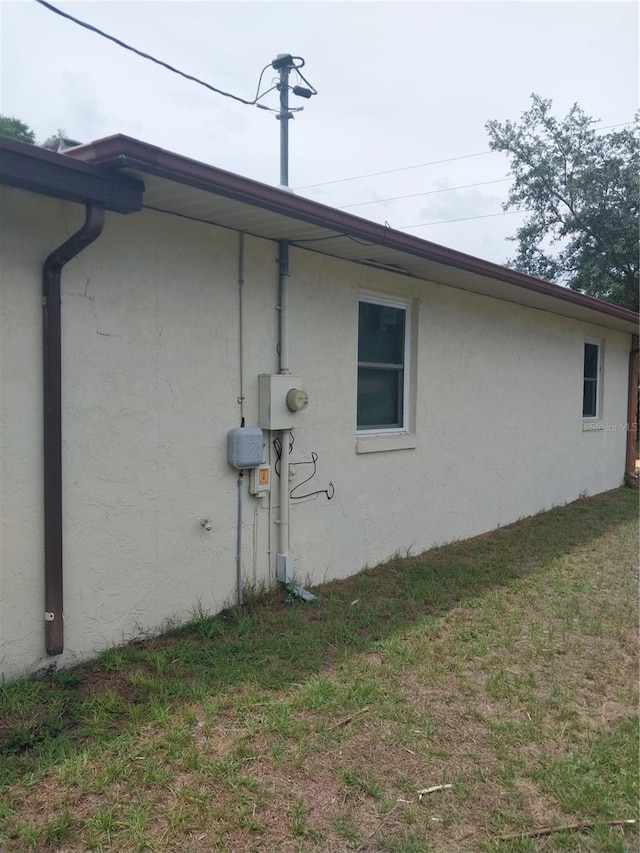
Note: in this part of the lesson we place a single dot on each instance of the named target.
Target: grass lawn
(503, 667)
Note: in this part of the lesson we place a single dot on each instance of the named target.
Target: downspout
(632, 411)
(52, 420)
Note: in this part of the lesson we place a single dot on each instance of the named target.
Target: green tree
(580, 189)
(16, 129)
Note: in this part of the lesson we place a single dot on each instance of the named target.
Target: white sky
(399, 83)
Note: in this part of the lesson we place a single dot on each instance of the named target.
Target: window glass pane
(589, 399)
(590, 361)
(380, 398)
(381, 334)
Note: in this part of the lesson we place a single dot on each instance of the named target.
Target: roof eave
(123, 151)
(29, 167)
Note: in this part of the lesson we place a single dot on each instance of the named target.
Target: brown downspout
(632, 410)
(52, 382)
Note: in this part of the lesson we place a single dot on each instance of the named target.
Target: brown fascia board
(29, 167)
(124, 151)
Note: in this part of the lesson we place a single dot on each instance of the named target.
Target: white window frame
(405, 305)
(598, 343)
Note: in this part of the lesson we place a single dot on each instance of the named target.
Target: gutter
(120, 152)
(52, 396)
(28, 167)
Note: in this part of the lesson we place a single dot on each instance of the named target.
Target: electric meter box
(244, 447)
(280, 401)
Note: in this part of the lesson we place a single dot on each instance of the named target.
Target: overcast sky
(400, 83)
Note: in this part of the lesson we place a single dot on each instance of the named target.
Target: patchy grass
(505, 666)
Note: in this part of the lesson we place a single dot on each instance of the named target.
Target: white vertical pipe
(283, 307)
(255, 543)
(239, 543)
(240, 480)
(283, 528)
(241, 321)
(283, 294)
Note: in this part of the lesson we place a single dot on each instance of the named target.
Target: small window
(591, 386)
(383, 333)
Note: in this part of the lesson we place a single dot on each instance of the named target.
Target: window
(383, 345)
(591, 386)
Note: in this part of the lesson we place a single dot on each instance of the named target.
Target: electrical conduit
(283, 305)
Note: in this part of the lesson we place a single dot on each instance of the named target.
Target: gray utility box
(273, 411)
(244, 447)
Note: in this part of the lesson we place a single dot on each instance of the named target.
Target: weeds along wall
(151, 385)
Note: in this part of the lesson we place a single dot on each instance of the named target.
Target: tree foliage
(16, 129)
(580, 189)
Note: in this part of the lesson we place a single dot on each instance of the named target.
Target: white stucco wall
(150, 389)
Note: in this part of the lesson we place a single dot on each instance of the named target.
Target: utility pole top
(284, 64)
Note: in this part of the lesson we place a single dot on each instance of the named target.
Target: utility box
(260, 480)
(281, 401)
(244, 447)
(284, 568)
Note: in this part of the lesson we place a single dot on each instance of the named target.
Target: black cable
(314, 462)
(317, 239)
(277, 446)
(332, 237)
(266, 92)
(297, 68)
(258, 95)
(297, 243)
(363, 242)
(148, 56)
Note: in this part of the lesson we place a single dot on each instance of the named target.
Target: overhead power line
(390, 171)
(423, 165)
(463, 219)
(148, 56)
(428, 192)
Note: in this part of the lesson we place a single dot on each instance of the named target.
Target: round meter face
(297, 400)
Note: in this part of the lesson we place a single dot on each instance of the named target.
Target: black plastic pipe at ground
(52, 392)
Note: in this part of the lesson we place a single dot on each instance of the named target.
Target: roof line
(36, 169)
(124, 151)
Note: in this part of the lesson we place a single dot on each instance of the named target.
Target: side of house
(435, 414)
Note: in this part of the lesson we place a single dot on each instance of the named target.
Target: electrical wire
(463, 219)
(277, 446)
(299, 243)
(329, 492)
(299, 73)
(429, 163)
(258, 96)
(221, 225)
(151, 58)
(391, 171)
(335, 237)
(428, 192)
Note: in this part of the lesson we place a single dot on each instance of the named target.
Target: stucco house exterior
(435, 395)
